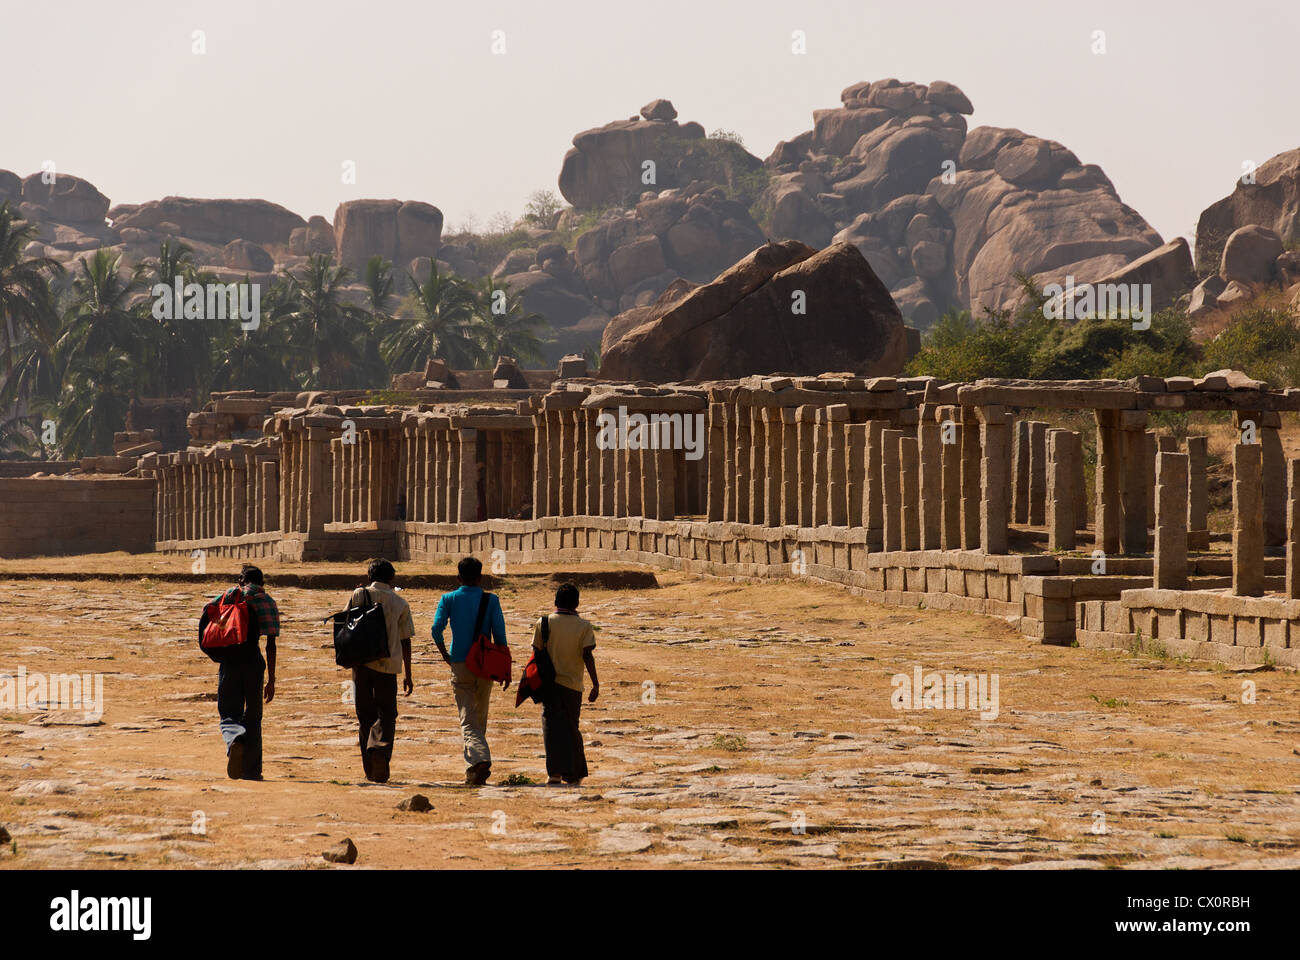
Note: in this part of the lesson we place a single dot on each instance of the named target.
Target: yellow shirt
(397, 618)
(568, 636)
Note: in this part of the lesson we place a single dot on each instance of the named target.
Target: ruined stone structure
(906, 491)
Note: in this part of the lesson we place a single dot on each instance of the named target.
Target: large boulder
(316, 237)
(246, 255)
(398, 231)
(215, 221)
(745, 322)
(1168, 269)
(11, 189)
(1250, 255)
(67, 200)
(607, 164)
(576, 322)
(1272, 201)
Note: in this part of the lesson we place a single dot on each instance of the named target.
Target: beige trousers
(472, 696)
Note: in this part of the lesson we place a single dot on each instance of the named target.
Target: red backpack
(224, 625)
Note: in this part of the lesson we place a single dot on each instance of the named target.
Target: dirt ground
(738, 725)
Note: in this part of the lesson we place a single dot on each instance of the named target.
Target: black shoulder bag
(360, 634)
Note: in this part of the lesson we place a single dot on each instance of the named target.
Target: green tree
(505, 326)
(443, 326)
(332, 343)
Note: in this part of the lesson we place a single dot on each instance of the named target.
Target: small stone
(416, 804)
(345, 852)
(4, 835)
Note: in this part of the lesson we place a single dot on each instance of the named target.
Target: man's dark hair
(251, 574)
(380, 571)
(470, 571)
(566, 597)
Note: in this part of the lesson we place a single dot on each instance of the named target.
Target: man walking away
(460, 609)
(570, 641)
(375, 683)
(239, 680)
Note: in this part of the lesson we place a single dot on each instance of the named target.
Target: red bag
(227, 624)
(485, 658)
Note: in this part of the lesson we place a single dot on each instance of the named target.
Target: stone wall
(52, 516)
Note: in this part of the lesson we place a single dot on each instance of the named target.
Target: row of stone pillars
(927, 479)
(364, 474)
(224, 491)
(596, 461)
(1250, 513)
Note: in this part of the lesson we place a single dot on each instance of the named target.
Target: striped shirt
(268, 614)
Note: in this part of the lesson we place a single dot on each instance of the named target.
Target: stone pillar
(1037, 473)
(744, 444)
(635, 508)
(467, 500)
(270, 494)
(909, 473)
(773, 474)
(892, 488)
(1171, 522)
(1198, 492)
(620, 458)
(1151, 446)
(1293, 531)
(789, 466)
(757, 466)
(566, 474)
(1247, 520)
(609, 472)
(1110, 463)
(1020, 469)
(1060, 491)
(593, 464)
(995, 479)
(717, 462)
(557, 464)
(665, 480)
(541, 470)
(239, 493)
(1134, 481)
(1274, 479)
(950, 527)
(1078, 481)
(375, 444)
(336, 469)
(971, 481)
(821, 463)
(931, 454)
(874, 493)
(837, 513)
(317, 486)
(855, 445)
(649, 462)
(807, 415)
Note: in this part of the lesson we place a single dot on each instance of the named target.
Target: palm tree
(182, 347)
(25, 303)
(331, 336)
(443, 326)
(379, 285)
(105, 351)
(261, 359)
(506, 327)
(28, 329)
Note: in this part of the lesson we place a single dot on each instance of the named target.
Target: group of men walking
(567, 639)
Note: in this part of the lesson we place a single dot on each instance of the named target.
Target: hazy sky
(290, 89)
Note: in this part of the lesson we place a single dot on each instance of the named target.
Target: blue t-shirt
(460, 607)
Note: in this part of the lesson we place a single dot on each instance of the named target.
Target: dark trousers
(376, 712)
(239, 702)
(565, 756)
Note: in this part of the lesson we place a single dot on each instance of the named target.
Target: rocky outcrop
(66, 200)
(947, 218)
(608, 165)
(214, 221)
(1168, 270)
(390, 228)
(1253, 260)
(1271, 201)
(783, 308)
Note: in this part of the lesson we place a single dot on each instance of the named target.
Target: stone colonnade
(618, 453)
(226, 490)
